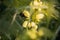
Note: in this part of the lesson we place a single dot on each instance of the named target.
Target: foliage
(29, 19)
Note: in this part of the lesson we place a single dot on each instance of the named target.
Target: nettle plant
(29, 20)
(37, 19)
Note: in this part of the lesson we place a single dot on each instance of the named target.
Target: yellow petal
(39, 9)
(34, 28)
(39, 16)
(32, 34)
(41, 32)
(33, 24)
(29, 25)
(25, 24)
(26, 13)
(36, 3)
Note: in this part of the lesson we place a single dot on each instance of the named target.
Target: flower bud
(25, 24)
(26, 13)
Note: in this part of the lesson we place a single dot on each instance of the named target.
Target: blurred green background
(49, 25)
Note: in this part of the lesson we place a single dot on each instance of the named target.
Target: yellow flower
(39, 16)
(31, 34)
(40, 3)
(33, 24)
(25, 24)
(35, 27)
(36, 3)
(26, 13)
(40, 32)
(29, 25)
(39, 9)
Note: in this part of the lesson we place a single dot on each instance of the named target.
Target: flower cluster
(34, 15)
